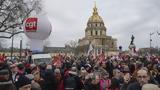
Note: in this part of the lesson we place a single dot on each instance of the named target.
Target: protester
(116, 80)
(142, 78)
(82, 73)
(72, 81)
(105, 82)
(92, 82)
(6, 77)
(14, 71)
(126, 82)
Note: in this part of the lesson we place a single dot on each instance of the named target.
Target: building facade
(95, 34)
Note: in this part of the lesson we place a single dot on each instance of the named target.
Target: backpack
(70, 83)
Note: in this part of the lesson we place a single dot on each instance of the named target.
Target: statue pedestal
(132, 48)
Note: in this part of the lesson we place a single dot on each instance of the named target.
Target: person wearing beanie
(21, 68)
(23, 83)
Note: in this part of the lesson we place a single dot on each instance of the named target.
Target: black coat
(158, 78)
(92, 87)
(48, 80)
(134, 86)
(79, 84)
(109, 68)
(8, 87)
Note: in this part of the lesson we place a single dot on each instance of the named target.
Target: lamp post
(158, 42)
(20, 52)
(151, 41)
(12, 45)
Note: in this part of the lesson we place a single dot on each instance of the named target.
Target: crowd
(83, 73)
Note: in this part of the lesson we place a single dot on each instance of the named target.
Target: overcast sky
(122, 18)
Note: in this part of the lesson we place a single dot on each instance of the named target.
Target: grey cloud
(122, 18)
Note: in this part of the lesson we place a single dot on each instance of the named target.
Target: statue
(132, 40)
(131, 46)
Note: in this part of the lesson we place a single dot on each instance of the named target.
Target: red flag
(2, 58)
(102, 56)
(57, 61)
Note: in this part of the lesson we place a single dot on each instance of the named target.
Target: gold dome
(95, 17)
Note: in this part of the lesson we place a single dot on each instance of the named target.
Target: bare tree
(13, 13)
(72, 44)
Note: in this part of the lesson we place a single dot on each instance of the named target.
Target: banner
(31, 24)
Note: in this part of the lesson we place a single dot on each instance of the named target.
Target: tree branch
(11, 26)
(5, 20)
(13, 13)
(27, 14)
(12, 34)
(1, 2)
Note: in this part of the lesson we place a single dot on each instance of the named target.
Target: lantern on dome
(37, 29)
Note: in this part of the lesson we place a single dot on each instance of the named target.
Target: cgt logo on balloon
(31, 24)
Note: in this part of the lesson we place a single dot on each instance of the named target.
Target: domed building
(95, 34)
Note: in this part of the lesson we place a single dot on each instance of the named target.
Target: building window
(96, 32)
(91, 33)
